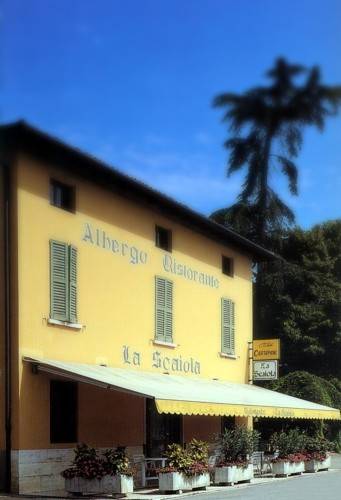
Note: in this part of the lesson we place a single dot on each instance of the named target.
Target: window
(62, 195)
(227, 327)
(63, 281)
(163, 238)
(63, 411)
(227, 266)
(163, 310)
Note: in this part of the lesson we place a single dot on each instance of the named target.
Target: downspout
(8, 350)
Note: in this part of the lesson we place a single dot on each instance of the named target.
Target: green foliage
(288, 443)
(337, 443)
(116, 461)
(198, 451)
(267, 124)
(89, 465)
(86, 464)
(178, 458)
(237, 444)
(304, 385)
(307, 386)
(190, 461)
(297, 299)
(245, 219)
(305, 306)
(84, 453)
(294, 445)
(318, 444)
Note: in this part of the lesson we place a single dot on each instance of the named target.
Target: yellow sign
(266, 349)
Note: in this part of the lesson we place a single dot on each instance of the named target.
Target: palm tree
(267, 125)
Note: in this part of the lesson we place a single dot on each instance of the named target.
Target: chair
(149, 470)
(257, 459)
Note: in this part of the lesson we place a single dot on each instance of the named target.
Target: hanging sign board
(265, 370)
(266, 349)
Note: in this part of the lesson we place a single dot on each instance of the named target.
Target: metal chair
(257, 459)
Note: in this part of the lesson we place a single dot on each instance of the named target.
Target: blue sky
(132, 81)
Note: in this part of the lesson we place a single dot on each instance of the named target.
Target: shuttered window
(227, 326)
(73, 284)
(63, 279)
(163, 309)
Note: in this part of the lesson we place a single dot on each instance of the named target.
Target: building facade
(103, 271)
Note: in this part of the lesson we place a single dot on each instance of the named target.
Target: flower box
(233, 474)
(286, 468)
(178, 481)
(119, 483)
(315, 465)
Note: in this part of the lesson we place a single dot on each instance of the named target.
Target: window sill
(165, 344)
(74, 326)
(229, 356)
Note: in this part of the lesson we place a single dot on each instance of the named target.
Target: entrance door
(162, 430)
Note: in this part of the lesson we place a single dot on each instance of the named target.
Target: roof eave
(22, 136)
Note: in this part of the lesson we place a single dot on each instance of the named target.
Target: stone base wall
(38, 471)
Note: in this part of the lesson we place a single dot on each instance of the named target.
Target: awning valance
(190, 396)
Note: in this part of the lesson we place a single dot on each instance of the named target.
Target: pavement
(324, 485)
(269, 488)
(318, 486)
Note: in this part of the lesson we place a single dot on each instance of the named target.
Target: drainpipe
(8, 385)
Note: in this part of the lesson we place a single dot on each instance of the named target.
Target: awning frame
(177, 394)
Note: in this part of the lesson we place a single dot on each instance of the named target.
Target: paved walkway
(325, 484)
(221, 492)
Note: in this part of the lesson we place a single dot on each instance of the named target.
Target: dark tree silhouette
(266, 124)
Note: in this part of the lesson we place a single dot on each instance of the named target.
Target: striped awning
(189, 396)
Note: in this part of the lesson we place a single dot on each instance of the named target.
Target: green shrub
(86, 464)
(288, 443)
(236, 445)
(116, 461)
(198, 451)
(89, 465)
(307, 386)
(337, 443)
(190, 461)
(318, 444)
(178, 458)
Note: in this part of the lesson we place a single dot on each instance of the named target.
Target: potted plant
(93, 474)
(317, 454)
(236, 446)
(187, 469)
(117, 468)
(289, 447)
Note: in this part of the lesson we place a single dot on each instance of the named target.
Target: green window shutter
(227, 326)
(169, 312)
(72, 284)
(163, 310)
(59, 270)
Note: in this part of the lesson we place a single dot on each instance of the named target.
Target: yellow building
(125, 316)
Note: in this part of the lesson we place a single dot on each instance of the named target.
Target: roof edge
(23, 136)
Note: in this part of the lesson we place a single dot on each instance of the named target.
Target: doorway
(161, 430)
